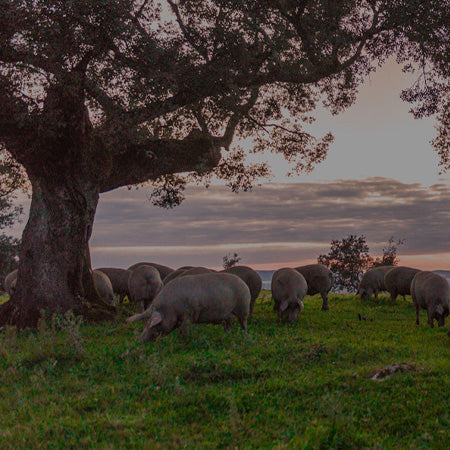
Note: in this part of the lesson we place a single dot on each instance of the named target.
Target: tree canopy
(144, 74)
(101, 94)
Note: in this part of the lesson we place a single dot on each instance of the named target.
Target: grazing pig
(119, 280)
(398, 281)
(251, 278)
(288, 289)
(103, 286)
(196, 271)
(207, 298)
(372, 282)
(174, 274)
(144, 284)
(186, 271)
(10, 282)
(163, 270)
(319, 279)
(431, 291)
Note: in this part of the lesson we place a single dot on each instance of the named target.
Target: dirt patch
(393, 369)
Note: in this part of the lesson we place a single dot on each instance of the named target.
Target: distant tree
(9, 256)
(12, 178)
(101, 94)
(347, 259)
(230, 260)
(389, 257)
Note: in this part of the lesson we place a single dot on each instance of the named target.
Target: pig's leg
(243, 322)
(324, 301)
(227, 324)
(430, 319)
(185, 327)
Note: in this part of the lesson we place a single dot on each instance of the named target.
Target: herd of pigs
(173, 299)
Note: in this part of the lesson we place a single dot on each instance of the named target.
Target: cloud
(283, 222)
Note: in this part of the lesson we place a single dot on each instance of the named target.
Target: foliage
(347, 259)
(9, 255)
(230, 260)
(217, 390)
(169, 191)
(442, 141)
(12, 178)
(389, 257)
(151, 72)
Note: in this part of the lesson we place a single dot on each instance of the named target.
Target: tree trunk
(54, 272)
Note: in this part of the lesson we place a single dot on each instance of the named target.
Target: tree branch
(16, 128)
(234, 120)
(11, 56)
(156, 157)
(186, 33)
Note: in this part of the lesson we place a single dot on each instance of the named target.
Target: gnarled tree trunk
(54, 272)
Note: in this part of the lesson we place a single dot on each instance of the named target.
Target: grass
(302, 385)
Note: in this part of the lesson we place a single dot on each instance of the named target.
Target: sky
(380, 179)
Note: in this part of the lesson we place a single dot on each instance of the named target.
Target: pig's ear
(156, 319)
(284, 305)
(440, 309)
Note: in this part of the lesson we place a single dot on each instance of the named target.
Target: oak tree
(99, 94)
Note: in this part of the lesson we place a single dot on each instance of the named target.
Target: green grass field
(305, 385)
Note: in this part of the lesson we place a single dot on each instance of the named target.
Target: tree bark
(54, 272)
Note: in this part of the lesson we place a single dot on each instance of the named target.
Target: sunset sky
(380, 179)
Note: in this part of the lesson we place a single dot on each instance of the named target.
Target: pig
(144, 283)
(398, 281)
(431, 291)
(163, 270)
(101, 281)
(288, 289)
(10, 282)
(195, 271)
(206, 298)
(251, 278)
(189, 271)
(119, 280)
(319, 280)
(175, 274)
(103, 286)
(372, 282)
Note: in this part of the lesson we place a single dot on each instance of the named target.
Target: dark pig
(163, 270)
(372, 282)
(251, 278)
(119, 280)
(319, 279)
(398, 281)
(144, 284)
(288, 289)
(431, 292)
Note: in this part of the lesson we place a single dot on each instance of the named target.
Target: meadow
(303, 385)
